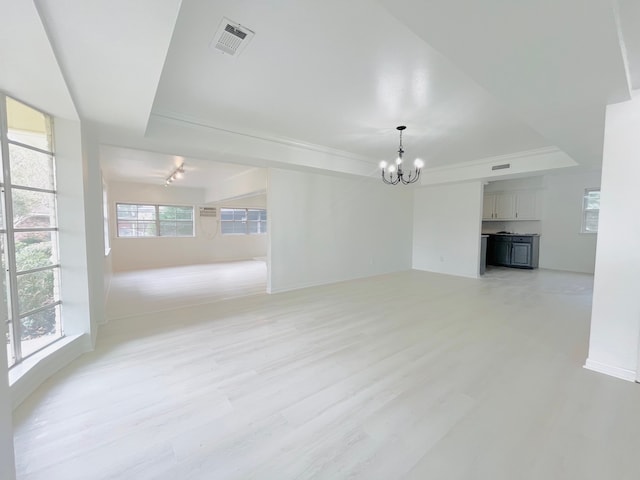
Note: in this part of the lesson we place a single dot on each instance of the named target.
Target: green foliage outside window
(35, 290)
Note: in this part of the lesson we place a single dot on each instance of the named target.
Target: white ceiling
(333, 73)
(126, 164)
(25, 64)
(111, 53)
(324, 83)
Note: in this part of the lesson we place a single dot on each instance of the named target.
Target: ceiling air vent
(501, 167)
(231, 38)
(208, 212)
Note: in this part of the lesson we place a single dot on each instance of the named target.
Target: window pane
(239, 214)
(254, 227)
(253, 215)
(127, 212)
(263, 227)
(146, 229)
(37, 289)
(34, 250)
(239, 227)
(30, 168)
(226, 214)
(126, 229)
(40, 329)
(167, 229)
(146, 212)
(184, 229)
(33, 209)
(591, 220)
(167, 213)
(28, 126)
(593, 200)
(226, 227)
(4, 307)
(184, 213)
(590, 210)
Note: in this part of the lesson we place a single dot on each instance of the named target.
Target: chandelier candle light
(400, 176)
(177, 173)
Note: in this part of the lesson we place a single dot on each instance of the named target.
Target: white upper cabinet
(488, 206)
(526, 205)
(519, 205)
(505, 206)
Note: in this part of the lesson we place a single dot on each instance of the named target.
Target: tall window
(29, 229)
(590, 210)
(243, 221)
(154, 220)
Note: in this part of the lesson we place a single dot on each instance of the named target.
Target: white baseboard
(617, 372)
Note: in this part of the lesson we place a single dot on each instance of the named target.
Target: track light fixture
(177, 173)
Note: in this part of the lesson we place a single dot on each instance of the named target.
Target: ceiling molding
(520, 163)
(267, 138)
(497, 159)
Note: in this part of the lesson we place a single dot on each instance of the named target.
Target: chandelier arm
(390, 181)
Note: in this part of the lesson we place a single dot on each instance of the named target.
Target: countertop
(514, 234)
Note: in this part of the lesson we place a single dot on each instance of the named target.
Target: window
(154, 220)
(243, 221)
(29, 230)
(590, 210)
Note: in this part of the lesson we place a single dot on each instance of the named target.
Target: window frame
(585, 210)
(157, 221)
(15, 312)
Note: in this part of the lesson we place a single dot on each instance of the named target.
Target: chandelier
(396, 173)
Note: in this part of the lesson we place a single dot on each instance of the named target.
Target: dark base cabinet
(519, 251)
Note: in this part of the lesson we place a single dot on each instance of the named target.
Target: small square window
(590, 210)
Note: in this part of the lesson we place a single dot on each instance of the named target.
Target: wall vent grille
(231, 38)
(501, 167)
(208, 212)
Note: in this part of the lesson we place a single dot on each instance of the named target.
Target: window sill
(28, 375)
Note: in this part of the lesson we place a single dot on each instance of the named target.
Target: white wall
(76, 312)
(207, 246)
(326, 229)
(446, 228)
(562, 246)
(615, 317)
(108, 256)
(250, 182)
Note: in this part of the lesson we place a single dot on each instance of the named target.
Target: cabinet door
(526, 206)
(488, 207)
(505, 206)
(502, 252)
(521, 254)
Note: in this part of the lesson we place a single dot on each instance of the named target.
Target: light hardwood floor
(404, 376)
(144, 291)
